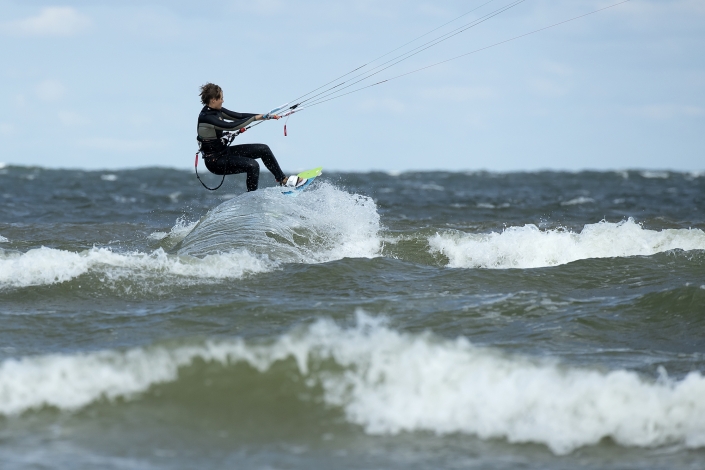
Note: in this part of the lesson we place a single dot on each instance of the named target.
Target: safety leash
(199, 178)
(227, 139)
(287, 115)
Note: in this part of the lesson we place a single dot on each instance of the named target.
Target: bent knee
(253, 166)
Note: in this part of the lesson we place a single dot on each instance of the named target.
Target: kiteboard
(308, 175)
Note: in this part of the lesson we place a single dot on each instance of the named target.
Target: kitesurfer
(214, 125)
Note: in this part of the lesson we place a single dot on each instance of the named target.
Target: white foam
(109, 177)
(530, 247)
(389, 382)
(321, 224)
(42, 266)
(158, 235)
(655, 174)
(577, 201)
(181, 228)
(3, 239)
(332, 224)
(486, 205)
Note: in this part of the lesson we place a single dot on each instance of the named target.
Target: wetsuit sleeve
(233, 115)
(243, 119)
(227, 125)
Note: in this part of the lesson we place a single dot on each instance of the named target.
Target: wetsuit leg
(241, 159)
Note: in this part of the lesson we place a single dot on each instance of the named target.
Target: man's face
(216, 103)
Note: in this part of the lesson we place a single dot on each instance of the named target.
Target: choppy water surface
(418, 320)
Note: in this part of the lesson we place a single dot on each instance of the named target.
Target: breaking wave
(253, 233)
(43, 266)
(319, 225)
(530, 247)
(388, 382)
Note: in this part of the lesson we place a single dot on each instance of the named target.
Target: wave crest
(319, 225)
(44, 266)
(387, 382)
(253, 233)
(530, 247)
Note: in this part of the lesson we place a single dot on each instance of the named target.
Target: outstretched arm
(236, 116)
(239, 120)
(257, 117)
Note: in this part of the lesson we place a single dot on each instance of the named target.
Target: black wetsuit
(223, 160)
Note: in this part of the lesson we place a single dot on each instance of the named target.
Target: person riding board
(214, 122)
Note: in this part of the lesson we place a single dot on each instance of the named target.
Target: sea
(401, 320)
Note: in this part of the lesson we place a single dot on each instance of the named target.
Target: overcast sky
(108, 84)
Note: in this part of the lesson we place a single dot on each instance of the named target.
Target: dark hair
(210, 91)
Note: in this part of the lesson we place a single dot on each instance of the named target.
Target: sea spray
(181, 228)
(319, 225)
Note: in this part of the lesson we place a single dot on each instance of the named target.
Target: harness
(226, 140)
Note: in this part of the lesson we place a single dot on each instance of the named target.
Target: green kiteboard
(309, 176)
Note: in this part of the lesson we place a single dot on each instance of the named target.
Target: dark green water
(421, 320)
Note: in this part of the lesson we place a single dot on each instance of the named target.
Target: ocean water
(416, 320)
